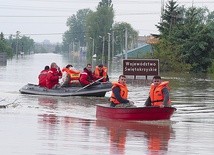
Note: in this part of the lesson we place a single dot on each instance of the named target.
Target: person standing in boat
(87, 77)
(101, 71)
(54, 74)
(70, 76)
(159, 93)
(43, 76)
(120, 94)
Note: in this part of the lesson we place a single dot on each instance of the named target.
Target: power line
(7, 16)
(45, 16)
(36, 34)
(55, 33)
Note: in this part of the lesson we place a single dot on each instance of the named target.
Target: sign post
(141, 67)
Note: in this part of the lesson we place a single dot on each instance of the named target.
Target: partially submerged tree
(119, 34)
(188, 36)
(95, 28)
(4, 46)
(99, 24)
(76, 29)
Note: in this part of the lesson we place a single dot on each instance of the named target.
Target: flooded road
(42, 125)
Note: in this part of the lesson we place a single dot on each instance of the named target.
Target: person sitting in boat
(43, 76)
(54, 74)
(70, 76)
(120, 94)
(159, 93)
(101, 71)
(87, 77)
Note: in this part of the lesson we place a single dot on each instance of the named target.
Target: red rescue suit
(53, 77)
(42, 78)
(86, 77)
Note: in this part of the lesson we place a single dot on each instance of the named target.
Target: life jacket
(74, 74)
(97, 72)
(123, 92)
(156, 94)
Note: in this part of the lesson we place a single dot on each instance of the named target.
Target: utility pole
(162, 10)
(192, 3)
(103, 50)
(92, 51)
(112, 49)
(69, 48)
(126, 42)
(17, 42)
(109, 39)
(73, 47)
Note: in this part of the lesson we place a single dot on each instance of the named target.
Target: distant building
(137, 53)
(152, 39)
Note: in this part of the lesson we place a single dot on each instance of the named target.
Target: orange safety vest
(74, 74)
(156, 94)
(123, 92)
(97, 72)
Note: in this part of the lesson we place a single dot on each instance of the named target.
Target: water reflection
(48, 119)
(150, 137)
(56, 125)
(47, 101)
(156, 135)
(80, 107)
(70, 132)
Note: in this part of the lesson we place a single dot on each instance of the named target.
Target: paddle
(90, 84)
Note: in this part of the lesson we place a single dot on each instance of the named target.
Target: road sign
(146, 67)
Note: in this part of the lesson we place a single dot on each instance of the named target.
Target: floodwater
(39, 125)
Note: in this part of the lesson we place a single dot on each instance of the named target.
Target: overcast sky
(46, 19)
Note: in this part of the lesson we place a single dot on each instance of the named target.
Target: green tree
(57, 49)
(167, 51)
(26, 44)
(119, 34)
(187, 36)
(196, 40)
(210, 38)
(99, 24)
(4, 47)
(39, 48)
(170, 19)
(169, 57)
(76, 29)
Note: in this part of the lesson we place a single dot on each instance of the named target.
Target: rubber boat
(94, 90)
(134, 113)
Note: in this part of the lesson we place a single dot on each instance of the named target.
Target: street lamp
(103, 48)
(126, 43)
(17, 41)
(112, 49)
(92, 50)
(109, 39)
